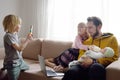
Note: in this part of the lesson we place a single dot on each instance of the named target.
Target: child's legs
(13, 73)
(24, 65)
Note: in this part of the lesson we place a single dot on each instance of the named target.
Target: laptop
(49, 72)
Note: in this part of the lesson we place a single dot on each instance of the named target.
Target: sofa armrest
(113, 71)
(2, 53)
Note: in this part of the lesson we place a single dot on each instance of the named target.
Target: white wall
(28, 13)
(33, 12)
(7, 7)
(27, 10)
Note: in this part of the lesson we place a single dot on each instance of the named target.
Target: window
(64, 16)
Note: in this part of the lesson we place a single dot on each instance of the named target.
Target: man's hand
(87, 62)
(74, 62)
(91, 47)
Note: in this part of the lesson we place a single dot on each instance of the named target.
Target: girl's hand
(58, 68)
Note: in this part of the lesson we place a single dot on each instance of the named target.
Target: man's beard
(96, 34)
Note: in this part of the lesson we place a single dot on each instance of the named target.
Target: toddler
(81, 37)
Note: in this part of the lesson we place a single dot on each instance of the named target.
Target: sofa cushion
(52, 48)
(32, 49)
(2, 53)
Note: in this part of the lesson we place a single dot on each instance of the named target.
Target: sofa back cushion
(53, 48)
(32, 49)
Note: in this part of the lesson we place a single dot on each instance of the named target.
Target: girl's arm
(78, 44)
(50, 62)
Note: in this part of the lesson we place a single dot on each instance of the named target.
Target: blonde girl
(81, 36)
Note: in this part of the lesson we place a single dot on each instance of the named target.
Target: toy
(31, 29)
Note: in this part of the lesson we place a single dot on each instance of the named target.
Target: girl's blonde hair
(10, 22)
(82, 24)
(86, 35)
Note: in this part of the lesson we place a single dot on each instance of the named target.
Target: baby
(94, 52)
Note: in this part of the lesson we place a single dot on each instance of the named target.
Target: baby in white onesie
(94, 53)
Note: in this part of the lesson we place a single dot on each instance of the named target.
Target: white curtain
(42, 18)
(63, 16)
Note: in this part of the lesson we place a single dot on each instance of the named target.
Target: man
(92, 69)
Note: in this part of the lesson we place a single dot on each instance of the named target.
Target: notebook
(49, 72)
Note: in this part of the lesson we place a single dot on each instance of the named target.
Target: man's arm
(114, 45)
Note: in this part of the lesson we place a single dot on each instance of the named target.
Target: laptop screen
(49, 72)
